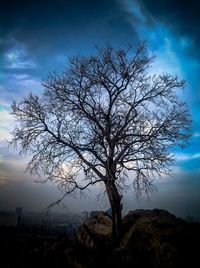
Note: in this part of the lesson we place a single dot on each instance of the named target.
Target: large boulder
(96, 232)
(158, 239)
(131, 218)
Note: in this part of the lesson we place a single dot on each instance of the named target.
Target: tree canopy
(106, 114)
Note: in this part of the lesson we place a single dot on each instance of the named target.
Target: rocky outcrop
(131, 218)
(95, 232)
(158, 239)
(153, 238)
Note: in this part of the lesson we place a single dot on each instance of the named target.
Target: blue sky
(38, 36)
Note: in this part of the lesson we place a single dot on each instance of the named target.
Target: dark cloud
(183, 11)
(181, 16)
(64, 26)
(51, 31)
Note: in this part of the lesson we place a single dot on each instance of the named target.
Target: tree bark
(116, 206)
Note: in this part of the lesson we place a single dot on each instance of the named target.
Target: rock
(158, 239)
(133, 216)
(52, 252)
(95, 232)
(154, 238)
(73, 260)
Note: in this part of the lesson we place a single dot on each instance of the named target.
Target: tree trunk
(115, 202)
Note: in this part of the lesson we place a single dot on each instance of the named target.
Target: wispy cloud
(15, 86)
(17, 76)
(26, 81)
(196, 134)
(17, 58)
(186, 157)
(159, 39)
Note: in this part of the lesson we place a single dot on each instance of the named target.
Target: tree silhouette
(103, 116)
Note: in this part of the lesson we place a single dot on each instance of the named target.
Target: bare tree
(105, 115)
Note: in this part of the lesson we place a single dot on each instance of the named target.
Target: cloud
(186, 157)
(134, 8)
(175, 193)
(17, 58)
(196, 134)
(176, 51)
(159, 38)
(181, 17)
(25, 81)
(166, 61)
(196, 155)
(18, 71)
(18, 188)
(6, 122)
(3, 104)
(16, 86)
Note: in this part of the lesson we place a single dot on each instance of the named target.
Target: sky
(37, 37)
